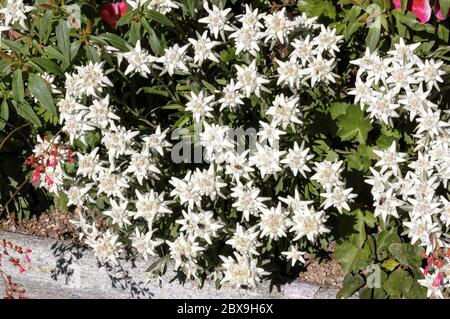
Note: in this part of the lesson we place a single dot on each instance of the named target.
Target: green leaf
(17, 85)
(318, 8)
(158, 17)
(443, 33)
(62, 35)
(125, 19)
(135, 32)
(404, 3)
(351, 257)
(407, 254)
(115, 41)
(390, 264)
(25, 111)
(337, 109)
(155, 43)
(40, 90)
(384, 240)
(350, 285)
(47, 65)
(445, 5)
(190, 6)
(4, 113)
(373, 36)
(353, 126)
(398, 283)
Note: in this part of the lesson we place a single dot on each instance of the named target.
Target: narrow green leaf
(158, 17)
(40, 90)
(17, 85)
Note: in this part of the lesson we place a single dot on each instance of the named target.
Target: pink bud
(421, 8)
(111, 12)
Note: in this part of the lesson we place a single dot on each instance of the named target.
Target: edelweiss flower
(118, 213)
(14, 12)
(200, 105)
(216, 20)
(320, 70)
(174, 59)
(203, 48)
(245, 241)
(242, 272)
(144, 244)
(294, 255)
(266, 159)
(138, 61)
(150, 205)
(273, 222)
(249, 80)
(307, 222)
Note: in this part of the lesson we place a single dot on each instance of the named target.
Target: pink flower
(438, 11)
(437, 280)
(48, 180)
(27, 258)
(421, 8)
(111, 12)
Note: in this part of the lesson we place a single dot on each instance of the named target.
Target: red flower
(438, 11)
(421, 8)
(111, 12)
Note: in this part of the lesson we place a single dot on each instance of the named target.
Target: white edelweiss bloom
(144, 243)
(88, 164)
(284, 111)
(232, 96)
(382, 106)
(297, 158)
(386, 205)
(430, 122)
(207, 182)
(245, 241)
(76, 127)
(327, 40)
(77, 195)
(69, 107)
(249, 80)
(305, 22)
(139, 60)
(183, 189)
(303, 50)
(420, 230)
(214, 139)
(107, 247)
(290, 73)
(308, 222)
(379, 181)
(217, 21)
(430, 72)
(184, 250)
(295, 203)
(157, 141)
(390, 158)
(246, 40)
(237, 165)
(149, 206)
(111, 183)
(445, 211)
(119, 213)
(269, 132)
(52, 179)
(142, 165)
(294, 255)
(100, 113)
(266, 159)
(338, 197)
(200, 105)
(433, 290)
(251, 19)
(362, 91)
(423, 208)
(423, 164)
(273, 222)
(174, 59)
(320, 71)
(415, 101)
(242, 272)
(365, 63)
(90, 78)
(404, 53)
(82, 225)
(378, 69)
(401, 77)
(14, 12)
(277, 26)
(203, 48)
(248, 200)
(117, 140)
(201, 225)
(328, 173)
(163, 6)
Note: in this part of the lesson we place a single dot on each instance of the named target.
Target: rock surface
(60, 270)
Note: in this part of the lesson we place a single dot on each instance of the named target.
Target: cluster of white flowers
(121, 171)
(405, 186)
